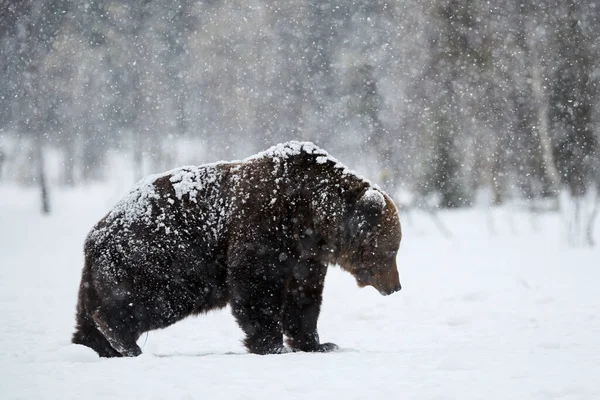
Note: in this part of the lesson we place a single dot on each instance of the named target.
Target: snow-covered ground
(502, 310)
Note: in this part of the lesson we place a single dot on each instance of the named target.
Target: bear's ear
(373, 200)
(366, 212)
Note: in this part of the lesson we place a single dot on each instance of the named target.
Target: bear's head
(372, 237)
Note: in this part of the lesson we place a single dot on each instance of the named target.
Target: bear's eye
(368, 256)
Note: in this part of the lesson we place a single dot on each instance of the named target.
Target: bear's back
(173, 204)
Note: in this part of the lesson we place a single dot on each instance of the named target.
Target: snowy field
(502, 310)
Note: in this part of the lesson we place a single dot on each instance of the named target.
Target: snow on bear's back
(140, 205)
(293, 148)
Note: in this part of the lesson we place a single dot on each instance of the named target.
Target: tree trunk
(45, 197)
(541, 106)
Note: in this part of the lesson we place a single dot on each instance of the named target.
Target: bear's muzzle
(388, 282)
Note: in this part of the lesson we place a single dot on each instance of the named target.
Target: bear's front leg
(256, 300)
(302, 305)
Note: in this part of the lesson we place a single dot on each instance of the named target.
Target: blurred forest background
(441, 99)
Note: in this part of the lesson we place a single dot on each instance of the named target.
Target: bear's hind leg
(91, 337)
(302, 305)
(86, 331)
(120, 334)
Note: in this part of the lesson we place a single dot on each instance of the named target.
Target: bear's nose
(394, 289)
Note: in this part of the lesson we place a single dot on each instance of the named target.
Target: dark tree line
(441, 97)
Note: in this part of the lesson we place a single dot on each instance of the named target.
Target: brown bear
(256, 234)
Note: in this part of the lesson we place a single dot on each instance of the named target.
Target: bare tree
(576, 152)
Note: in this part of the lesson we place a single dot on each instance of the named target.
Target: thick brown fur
(256, 234)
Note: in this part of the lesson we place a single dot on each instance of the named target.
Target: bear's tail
(86, 331)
